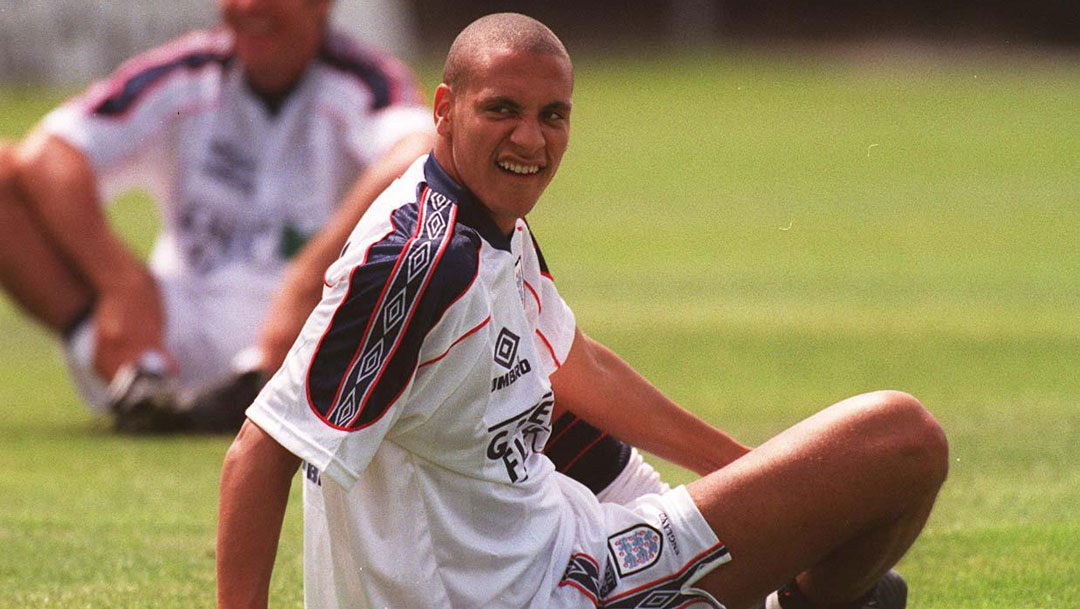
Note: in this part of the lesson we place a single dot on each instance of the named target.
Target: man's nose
(528, 135)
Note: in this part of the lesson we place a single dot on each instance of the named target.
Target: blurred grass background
(761, 235)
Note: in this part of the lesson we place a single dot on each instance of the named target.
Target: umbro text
(519, 370)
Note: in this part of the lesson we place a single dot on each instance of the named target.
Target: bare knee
(13, 203)
(903, 429)
(14, 211)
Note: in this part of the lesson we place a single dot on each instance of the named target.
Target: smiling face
(504, 129)
(275, 39)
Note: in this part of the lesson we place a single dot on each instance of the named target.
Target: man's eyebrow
(500, 100)
(558, 106)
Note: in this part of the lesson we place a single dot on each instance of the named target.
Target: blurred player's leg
(836, 499)
(32, 271)
(220, 407)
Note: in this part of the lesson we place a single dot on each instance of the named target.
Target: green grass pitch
(761, 236)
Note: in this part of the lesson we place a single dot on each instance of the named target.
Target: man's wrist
(123, 275)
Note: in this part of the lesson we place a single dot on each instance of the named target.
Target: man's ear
(441, 111)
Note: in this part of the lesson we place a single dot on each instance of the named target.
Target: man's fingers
(128, 324)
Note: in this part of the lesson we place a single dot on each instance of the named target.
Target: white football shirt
(418, 397)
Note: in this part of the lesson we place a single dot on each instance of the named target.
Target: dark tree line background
(596, 24)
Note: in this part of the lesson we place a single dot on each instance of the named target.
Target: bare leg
(835, 500)
(32, 270)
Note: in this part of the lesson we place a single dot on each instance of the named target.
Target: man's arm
(255, 483)
(302, 286)
(598, 386)
(61, 189)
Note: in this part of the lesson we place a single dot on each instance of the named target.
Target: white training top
(418, 397)
(240, 184)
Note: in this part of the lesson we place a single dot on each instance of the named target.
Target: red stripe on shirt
(558, 364)
(459, 339)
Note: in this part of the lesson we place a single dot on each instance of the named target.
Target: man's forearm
(302, 285)
(598, 386)
(324, 247)
(255, 483)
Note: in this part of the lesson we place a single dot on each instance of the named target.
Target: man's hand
(129, 320)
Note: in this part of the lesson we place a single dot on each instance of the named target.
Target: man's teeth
(519, 169)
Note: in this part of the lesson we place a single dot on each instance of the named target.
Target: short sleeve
(119, 122)
(386, 128)
(351, 375)
(285, 410)
(556, 324)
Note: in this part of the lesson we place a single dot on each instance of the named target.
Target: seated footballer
(418, 399)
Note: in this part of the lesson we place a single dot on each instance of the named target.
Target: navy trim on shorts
(583, 574)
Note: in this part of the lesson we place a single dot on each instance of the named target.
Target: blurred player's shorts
(210, 328)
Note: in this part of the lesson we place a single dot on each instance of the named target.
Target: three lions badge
(635, 549)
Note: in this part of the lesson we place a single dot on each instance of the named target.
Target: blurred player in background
(262, 142)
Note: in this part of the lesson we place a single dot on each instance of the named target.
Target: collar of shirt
(471, 212)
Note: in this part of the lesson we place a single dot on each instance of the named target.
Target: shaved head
(501, 31)
(502, 113)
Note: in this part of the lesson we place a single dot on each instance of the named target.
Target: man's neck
(273, 97)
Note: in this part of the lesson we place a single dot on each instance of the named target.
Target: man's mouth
(253, 26)
(521, 169)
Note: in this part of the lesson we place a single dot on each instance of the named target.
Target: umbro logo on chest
(506, 356)
(229, 164)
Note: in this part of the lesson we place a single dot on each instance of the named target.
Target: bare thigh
(859, 469)
(32, 269)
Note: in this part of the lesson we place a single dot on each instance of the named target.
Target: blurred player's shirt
(240, 183)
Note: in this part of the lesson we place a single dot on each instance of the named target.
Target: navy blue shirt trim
(120, 102)
(366, 70)
(369, 352)
(539, 255)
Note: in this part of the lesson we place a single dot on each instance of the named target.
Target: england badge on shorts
(635, 549)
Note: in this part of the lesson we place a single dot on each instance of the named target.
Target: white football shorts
(648, 553)
(636, 479)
